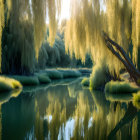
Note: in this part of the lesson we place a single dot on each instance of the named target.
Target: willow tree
(24, 32)
(1, 23)
(100, 26)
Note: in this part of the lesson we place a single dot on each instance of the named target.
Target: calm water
(64, 110)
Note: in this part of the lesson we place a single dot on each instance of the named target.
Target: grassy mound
(120, 87)
(85, 82)
(8, 84)
(99, 77)
(27, 80)
(136, 100)
(43, 78)
(70, 73)
(54, 74)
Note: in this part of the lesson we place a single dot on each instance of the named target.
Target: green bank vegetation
(8, 84)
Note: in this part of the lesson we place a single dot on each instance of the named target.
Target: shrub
(54, 74)
(70, 73)
(27, 80)
(99, 77)
(120, 87)
(8, 84)
(85, 82)
(136, 100)
(43, 78)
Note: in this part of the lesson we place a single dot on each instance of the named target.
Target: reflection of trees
(58, 118)
(74, 88)
(112, 119)
(18, 117)
(129, 115)
(57, 111)
(5, 97)
(49, 111)
(118, 97)
(38, 124)
(82, 116)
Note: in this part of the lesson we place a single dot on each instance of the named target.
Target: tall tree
(1, 24)
(100, 25)
(24, 32)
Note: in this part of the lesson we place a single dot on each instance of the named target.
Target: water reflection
(66, 111)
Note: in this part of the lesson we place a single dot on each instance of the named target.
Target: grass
(54, 74)
(43, 78)
(8, 84)
(99, 77)
(120, 87)
(27, 80)
(136, 100)
(70, 73)
(85, 82)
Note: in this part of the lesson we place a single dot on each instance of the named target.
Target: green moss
(85, 82)
(8, 84)
(54, 74)
(120, 87)
(70, 73)
(136, 100)
(99, 77)
(43, 78)
(27, 80)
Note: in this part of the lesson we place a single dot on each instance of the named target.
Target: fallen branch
(134, 73)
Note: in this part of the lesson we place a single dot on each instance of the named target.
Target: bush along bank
(45, 77)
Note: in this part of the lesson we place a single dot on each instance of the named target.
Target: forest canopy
(120, 19)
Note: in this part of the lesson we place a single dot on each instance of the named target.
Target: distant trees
(56, 57)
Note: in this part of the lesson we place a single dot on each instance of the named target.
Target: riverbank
(11, 82)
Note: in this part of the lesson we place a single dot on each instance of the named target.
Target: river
(66, 110)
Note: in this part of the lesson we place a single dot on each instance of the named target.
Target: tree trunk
(124, 58)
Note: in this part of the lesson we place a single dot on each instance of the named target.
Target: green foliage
(27, 80)
(99, 77)
(43, 78)
(8, 84)
(54, 74)
(15, 59)
(70, 73)
(1, 25)
(136, 100)
(85, 82)
(120, 87)
(56, 57)
(43, 57)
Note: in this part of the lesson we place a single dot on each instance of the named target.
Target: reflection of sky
(67, 130)
(103, 7)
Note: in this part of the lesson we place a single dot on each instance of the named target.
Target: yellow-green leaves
(88, 20)
(135, 28)
(1, 25)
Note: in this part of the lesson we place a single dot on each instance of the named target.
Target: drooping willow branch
(119, 52)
